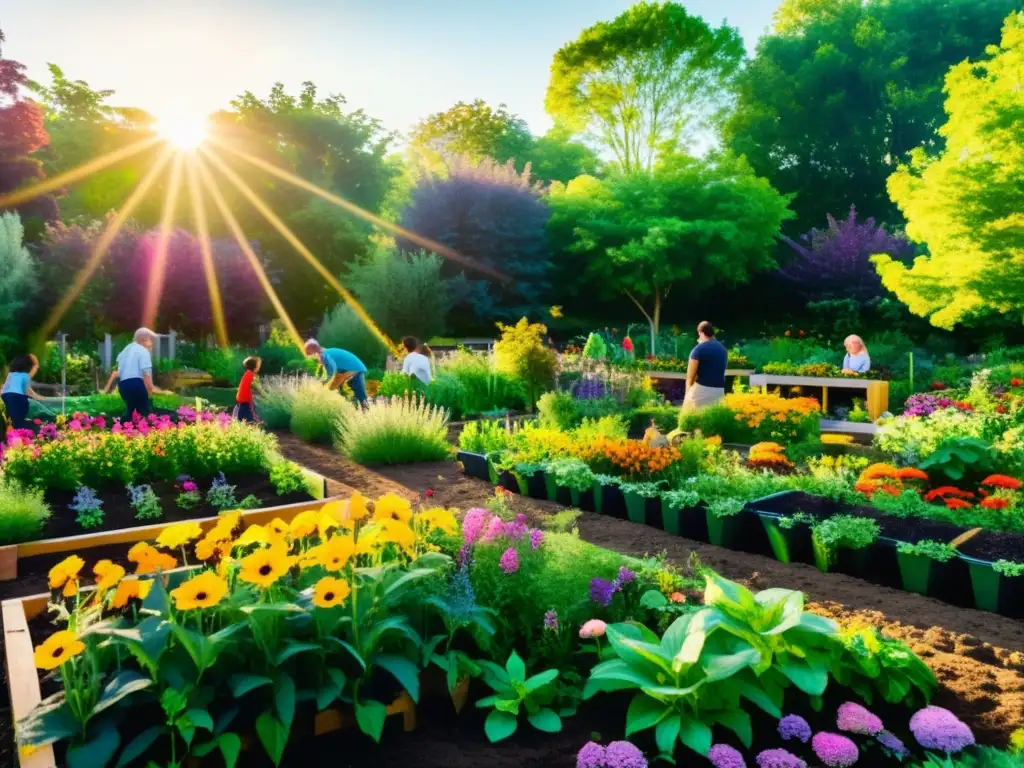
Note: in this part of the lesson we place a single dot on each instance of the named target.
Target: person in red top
(245, 408)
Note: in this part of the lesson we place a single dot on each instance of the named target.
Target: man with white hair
(341, 366)
(134, 374)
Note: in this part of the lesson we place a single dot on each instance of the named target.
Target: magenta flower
(724, 756)
(536, 538)
(474, 524)
(834, 750)
(517, 528)
(189, 487)
(794, 727)
(938, 728)
(591, 755)
(117, 428)
(551, 620)
(625, 576)
(509, 562)
(75, 425)
(495, 530)
(622, 754)
(779, 758)
(854, 718)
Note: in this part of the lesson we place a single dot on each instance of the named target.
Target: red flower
(912, 473)
(995, 502)
(627, 344)
(429, 492)
(37, 421)
(1000, 409)
(1002, 481)
(947, 491)
(937, 385)
(1017, 382)
(957, 504)
(962, 406)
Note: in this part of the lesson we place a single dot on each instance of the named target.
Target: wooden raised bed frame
(877, 392)
(12, 553)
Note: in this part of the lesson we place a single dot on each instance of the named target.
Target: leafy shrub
(22, 514)
(596, 348)
(448, 392)
(284, 359)
(315, 412)
(399, 384)
(557, 410)
(224, 365)
(287, 477)
(841, 531)
(484, 388)
(484, 437)
(397, 430)
(79, 367)
(521, 352)
(277, 397)
(957, 457)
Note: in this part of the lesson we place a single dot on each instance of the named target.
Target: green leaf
(292, 648)
(97, 751)
(644, 712)
(413, 575)
(695, 734)
(720, 667)
(370, 716)
(507, 705)
(653, 599)
(272, 608)
(51, 720)
(351, 650)
(499, 725)
(273, 736)
(737, 721)
(134, 749)
(200, 718)
(516, 668)
(674, 637)
(666, 733)
(810, 680)
(541, 679)
(403, 670)
(758, 696)
(242, 684)
(126, 683)
(689, 654)
(284, 699)
(728, 595)
(230, 747)
(818, 624)
(156, 600)
(546, 720)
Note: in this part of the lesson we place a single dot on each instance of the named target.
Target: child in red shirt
(245, 408)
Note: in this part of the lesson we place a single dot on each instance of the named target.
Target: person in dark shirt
(705, 375)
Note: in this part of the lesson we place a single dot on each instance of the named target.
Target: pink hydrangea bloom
(834, 750)
(509, 562)
(938, 728)
(854, 718)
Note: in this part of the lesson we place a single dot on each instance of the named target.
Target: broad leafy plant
(513, 692)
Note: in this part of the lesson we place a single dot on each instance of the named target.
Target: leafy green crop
(514, 690)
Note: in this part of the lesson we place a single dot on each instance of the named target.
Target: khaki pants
(698, 396)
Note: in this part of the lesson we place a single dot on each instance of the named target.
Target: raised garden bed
(876, 391)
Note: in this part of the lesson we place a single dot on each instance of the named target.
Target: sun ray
(96, 258)
(225, 212)
(205, 249)
(158, 268)
(19, 196)
(286, 232)
(423, 242)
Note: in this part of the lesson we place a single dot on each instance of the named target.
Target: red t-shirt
(245, 388)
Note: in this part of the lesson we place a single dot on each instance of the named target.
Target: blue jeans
(135, 396)
(243, 412)
(16, 406)
(358, 386)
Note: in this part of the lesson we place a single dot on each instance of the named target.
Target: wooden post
(172, 345)
(108, 354)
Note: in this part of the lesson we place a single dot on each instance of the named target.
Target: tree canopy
(965, 203)
(644, 83)
(474, 130)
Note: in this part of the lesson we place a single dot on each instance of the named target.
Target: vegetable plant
(513, 692)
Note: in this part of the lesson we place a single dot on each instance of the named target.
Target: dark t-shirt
(712, 357)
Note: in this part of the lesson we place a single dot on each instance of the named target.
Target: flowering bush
(771, 457)
(770, 418)
(924, 404)
(629, 458)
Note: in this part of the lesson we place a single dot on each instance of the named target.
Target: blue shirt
(17, 383)
(860, 363)
(341, 361)
(134, 362)
(712, 357)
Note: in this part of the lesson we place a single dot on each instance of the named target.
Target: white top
(134, 362)
(859, 363)
(417, 365)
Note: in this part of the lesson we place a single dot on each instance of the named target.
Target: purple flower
(625, 576)
(925, 404)
(892, 743)
(779, 758)
(536, 538)
(601, 591)
(938, 728)
(474, 523)
(517, 528)
(794, 727)
(509, 562)
(854, 718)
(834, 750)
(590, 389)
(189, 487)
(551, 620)
(495, 530)
(591, 755)
(622, 754)
(724, 756)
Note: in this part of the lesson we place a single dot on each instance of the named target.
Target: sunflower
(334, 554)
(229, 521)
(391, 506)
(278, 528)
(398, 533)
(204, 591)
(66, 570)
(357, 507)
(210, 546)
(58, 648)
(177, 536)
(310, 557)
(107, 574)
(265, 566)
(304, 524)
(331, 518)
(440, 519)
(128, 589)
(329, 592)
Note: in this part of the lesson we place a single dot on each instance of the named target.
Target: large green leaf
(273, 736)
(758, 696)
(50, 721)
(720, 592)
(809, 679)
(616, 675)
(284, 699)
(242, 684)
(292, 648)
(126, 683)
(403, 670)
(737, 721)
(652, 598)
(137, 746)
(97, 751)
(689, 653)
(645, 656)
(406, 578)
(350, 649)
(666, 733)
(230, 746)
(722, 666)
(391, 624)
(675, 635)
(516, 668)
(811, 622)
(370, 716)
(695, 734)
(499, 725)
(546, 720)
(538, 681)
(156, 601)
(495, 676)
(644, 712)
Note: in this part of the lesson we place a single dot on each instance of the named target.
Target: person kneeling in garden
(341, 366)
(705, 374)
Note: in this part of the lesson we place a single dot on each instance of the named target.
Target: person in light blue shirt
(18, 391)
(341, 366)
(134, 375)
(857, 359)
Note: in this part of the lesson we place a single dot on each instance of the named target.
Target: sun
(186, 132)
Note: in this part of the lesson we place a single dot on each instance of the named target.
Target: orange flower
(880, 471)
(912, 473)
(890, 489)
(1002, 481)
(947, 491)
(995, 502)
(957, 504)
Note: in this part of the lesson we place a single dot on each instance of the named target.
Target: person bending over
(18, 391)
(705, 374)
(134, 375)
(416, 363)
(341, 366)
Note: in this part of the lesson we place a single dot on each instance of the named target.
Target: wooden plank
(764, 379)
(22, 681)
(850, 427)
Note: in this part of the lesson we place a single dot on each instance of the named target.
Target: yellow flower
(67, 569)
(58, 648)
(139, 551)
(254, 534)
(107, 574)
(150, 560)
(177, 536)
(229, 521)
(265, 566)
(128, 589)
(209, 546)
(398, 533)
(334, 554)
(357, 507)
(204, 591)
(331, 517)
(304, 524)
(278, 528)
(440, 519)
(329, 592)
(391, 506)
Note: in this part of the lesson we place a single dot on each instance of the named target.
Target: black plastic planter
(609, 500)
(724, 531)
(789, 545)
(690, 523)
(995, 592)
(640, 509)
(508, 481)
(474, 464)
(582, 499)
(492, 472)
(555, 492)
(946, 581)
(533, 485)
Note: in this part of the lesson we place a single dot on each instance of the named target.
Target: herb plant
(936, 550)
(514, 691)
(287, 477)
(89, 507)
(221, 494)
(145, 502)
(841, 531)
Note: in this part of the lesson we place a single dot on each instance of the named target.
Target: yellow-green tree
(967, 203)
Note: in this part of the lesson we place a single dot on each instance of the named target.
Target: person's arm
(31, 393)
(35, 366)
(691, 372)
(110, 381)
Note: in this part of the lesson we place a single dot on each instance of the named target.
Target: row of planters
(966, 567)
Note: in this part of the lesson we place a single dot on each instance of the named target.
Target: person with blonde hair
(857, 359)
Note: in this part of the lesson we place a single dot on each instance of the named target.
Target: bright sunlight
(185, 132)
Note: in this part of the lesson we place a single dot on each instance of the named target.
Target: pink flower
(117, 428)
(593, 628)
(536, 538)
(854, 718)
(474, 524)
(509, 562)
(189, 487)
(75, 425)
(495, 530)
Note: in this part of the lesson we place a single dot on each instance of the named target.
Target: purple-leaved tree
(836, 263)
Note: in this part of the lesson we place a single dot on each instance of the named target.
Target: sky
(400, 60)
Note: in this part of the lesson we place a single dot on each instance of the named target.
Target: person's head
(252, 364)
(854, 344)
(411, 343)
(706, 331)
(145, 337)
(21, 364)
(313, 348)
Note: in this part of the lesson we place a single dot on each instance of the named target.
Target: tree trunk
(656, 322)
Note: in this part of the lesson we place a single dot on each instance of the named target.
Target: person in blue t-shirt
(341, 366)
(18, 391)
(705, 374)
(134, 376)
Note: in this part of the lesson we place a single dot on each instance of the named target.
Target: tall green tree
(966, 203)
(18, 281)
(695, 224)
(841, 92)
(644, 83)
(474, 130)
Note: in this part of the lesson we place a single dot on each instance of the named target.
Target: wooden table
(877, 392)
